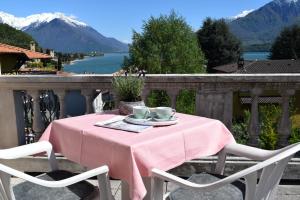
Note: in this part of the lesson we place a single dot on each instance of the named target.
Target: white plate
(150, 121)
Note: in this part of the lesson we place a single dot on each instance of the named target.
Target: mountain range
(263, 25)
(63, 33)
(256, 28)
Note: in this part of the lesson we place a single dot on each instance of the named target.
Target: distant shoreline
(72, 62)
(107, 64)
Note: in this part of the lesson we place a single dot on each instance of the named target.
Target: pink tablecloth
(130, 156)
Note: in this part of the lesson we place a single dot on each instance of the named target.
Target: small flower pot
(126, 108)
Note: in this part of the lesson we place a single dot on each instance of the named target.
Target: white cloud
(243, 14)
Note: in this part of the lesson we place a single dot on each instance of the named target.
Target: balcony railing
(215, 96)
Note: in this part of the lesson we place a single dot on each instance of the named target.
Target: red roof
(5, 48)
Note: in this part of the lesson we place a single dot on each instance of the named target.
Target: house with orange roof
(12, 57)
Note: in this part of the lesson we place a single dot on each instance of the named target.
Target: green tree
(12, 36)
(59, 63)
(218, 44)
(287, 44)
(167, 44)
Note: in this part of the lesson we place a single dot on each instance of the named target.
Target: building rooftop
(5, 48)
(262, 67)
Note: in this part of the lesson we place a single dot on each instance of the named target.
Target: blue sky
(117, 18)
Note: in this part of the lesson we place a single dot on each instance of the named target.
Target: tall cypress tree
(218, 44)
(287, 44)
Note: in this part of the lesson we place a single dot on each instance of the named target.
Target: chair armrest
(248, 152)
(282, 155)
(26, 150)
(54, 184)
(253, 152)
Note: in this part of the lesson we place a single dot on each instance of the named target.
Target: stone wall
(214, 97)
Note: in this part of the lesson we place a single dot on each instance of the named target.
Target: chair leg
(125, 190)
(148, 184)
(2, 192)
(219, 169)
(157, 192)
(5, 179)
(251, 180)
(52, 161)
(104, 187)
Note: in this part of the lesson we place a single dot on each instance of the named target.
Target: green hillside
(12, 36)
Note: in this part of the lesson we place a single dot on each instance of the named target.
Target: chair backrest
(271, 174)
(270, 178)
(272, 170)
(98, 103)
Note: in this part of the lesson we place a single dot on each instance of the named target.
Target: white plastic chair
(98, 104)
(7, 191)
(272, 169)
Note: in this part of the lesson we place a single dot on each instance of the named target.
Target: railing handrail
(170, 78)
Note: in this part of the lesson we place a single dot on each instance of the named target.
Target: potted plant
(128, 90)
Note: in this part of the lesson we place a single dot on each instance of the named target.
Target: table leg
(125, 190)
(148, 185)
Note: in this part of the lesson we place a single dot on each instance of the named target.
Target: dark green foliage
(59, 63)
(158, 98)
(12, 36)
(68, 57)
(269, 117)
(166, 45)
(218, 44)
(287, 44)
(240, 128)
(186, 102)
(295, 136)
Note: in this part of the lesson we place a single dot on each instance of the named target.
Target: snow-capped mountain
(22, 23)
(242, 14)
(280, 2)
(263, 25)
(63, 33)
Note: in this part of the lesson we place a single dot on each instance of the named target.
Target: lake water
(107, 64)
(111, 62)
(256, 55)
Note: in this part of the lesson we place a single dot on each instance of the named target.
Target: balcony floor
(285, 192)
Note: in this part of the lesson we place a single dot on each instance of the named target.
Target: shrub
(186, 102)
(269, 116)
(158, 98)
(35, 64)
(128, 88)
(295, 136)
(240, 128)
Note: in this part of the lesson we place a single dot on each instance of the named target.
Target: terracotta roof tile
(5, 48)
(271, 66)
(262, 67)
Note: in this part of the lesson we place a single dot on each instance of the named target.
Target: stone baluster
(284, 128)
(61, 93)
(88, 94)
(215, 103)
(228, 109)
(173, 93)
(254, 128)
(145, 94)
(37, 122)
